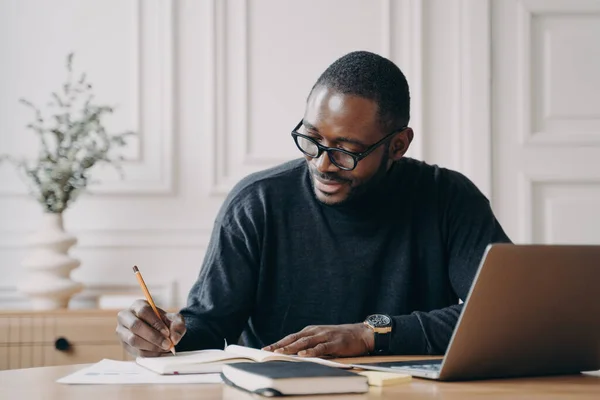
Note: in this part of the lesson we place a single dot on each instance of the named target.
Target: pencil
(138, 275)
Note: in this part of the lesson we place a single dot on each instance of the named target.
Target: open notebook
(209, 361)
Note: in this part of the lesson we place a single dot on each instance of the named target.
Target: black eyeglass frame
(355, 156)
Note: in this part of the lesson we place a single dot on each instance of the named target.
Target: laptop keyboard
(429, 367)
(415, 365)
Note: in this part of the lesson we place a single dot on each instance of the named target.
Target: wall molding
(150, 171)
(254, 160)
(386, 28)
(527, 10)
(219, 74)
(473, 151)
(157, 123)
(525, 193)
(215, 94)
(218, 28)
(524, 99)
(407, 52)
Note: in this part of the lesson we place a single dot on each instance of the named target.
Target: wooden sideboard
(47, 338)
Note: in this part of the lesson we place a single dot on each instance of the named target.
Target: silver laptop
(532, 310)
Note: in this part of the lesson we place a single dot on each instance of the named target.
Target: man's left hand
(327, 340)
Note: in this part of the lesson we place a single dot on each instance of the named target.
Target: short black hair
(373, 77)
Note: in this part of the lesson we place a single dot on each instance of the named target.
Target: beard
(359, 190)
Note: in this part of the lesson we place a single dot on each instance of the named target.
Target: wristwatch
(381, 325)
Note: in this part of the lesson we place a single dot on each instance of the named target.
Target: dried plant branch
(73, 140)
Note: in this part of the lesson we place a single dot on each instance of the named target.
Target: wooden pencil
(138, 275)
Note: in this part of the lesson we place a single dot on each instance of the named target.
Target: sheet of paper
(110, 372)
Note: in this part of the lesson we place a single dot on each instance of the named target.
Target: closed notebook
(282, 378)
(209, 361)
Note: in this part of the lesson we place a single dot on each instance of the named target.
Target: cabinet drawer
(45, 329)
(23, 329)
(29, 356)
(83, 329)
(35, 339)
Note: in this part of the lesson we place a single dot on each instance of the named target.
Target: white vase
(46, 279)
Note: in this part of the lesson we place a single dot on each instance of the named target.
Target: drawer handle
(62, 344)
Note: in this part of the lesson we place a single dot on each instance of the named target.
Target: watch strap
(382, 343)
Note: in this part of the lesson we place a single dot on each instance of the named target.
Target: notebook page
(248, 352)
(171, 362)
(261, 355)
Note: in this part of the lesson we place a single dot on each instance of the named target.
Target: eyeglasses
(343, 159)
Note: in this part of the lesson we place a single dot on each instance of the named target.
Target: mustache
(328, 176)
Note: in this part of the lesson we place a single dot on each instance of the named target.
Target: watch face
(379, 320)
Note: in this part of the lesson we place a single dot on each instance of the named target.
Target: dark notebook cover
(287, 370)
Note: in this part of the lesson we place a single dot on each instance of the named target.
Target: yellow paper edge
(376, 378)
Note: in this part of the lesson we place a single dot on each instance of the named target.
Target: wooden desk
(34, 383)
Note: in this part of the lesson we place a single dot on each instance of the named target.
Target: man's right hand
(144, 334)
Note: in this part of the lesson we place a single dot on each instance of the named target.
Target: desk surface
(36, 383)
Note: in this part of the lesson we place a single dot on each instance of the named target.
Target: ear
(400, 143)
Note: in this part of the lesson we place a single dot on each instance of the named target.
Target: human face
(351, 123)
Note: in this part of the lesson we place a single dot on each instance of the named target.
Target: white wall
(214, 87)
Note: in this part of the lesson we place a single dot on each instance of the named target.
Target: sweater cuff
(407, 336)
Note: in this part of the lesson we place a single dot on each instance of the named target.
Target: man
(353, 250)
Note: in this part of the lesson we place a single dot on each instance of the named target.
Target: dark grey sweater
(279, 260)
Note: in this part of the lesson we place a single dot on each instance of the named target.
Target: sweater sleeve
(221, 300)
(468, 225)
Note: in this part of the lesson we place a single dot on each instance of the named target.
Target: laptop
(532, 310)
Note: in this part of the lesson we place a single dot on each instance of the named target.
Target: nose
(324, 164)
